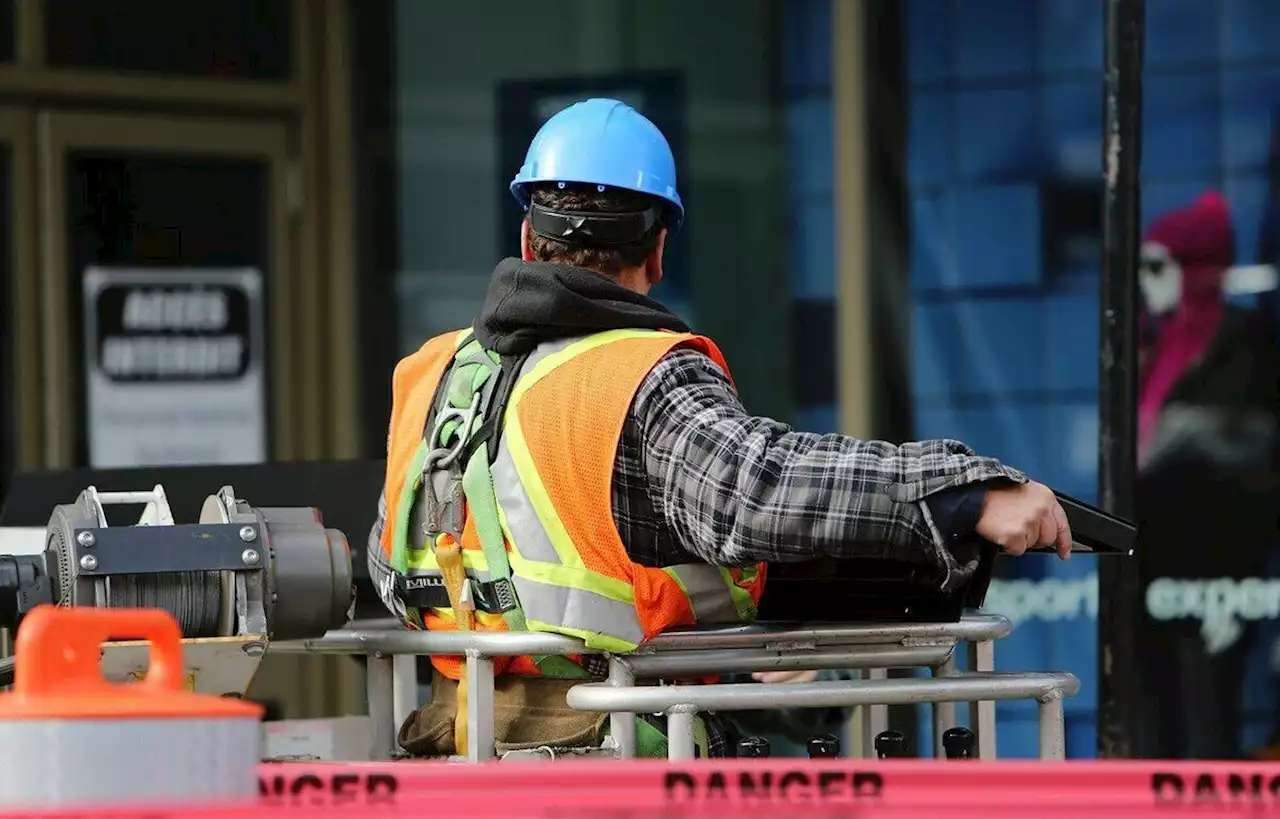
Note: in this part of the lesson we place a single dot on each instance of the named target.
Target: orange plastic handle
(59, 649)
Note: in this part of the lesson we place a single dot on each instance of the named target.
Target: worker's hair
(610, 260)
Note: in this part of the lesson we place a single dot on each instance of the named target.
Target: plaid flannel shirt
(698, 479)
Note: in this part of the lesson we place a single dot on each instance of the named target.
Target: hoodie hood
(529, 303)
(1199, 242)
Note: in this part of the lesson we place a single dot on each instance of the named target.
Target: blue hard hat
(602, 142)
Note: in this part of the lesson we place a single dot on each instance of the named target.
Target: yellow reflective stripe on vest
(535, 373)
(532, 551)
(598, 621)
(743, 603)
(603, 642)
(423, 561)
(513, 435)
(603, 623)
(485, 620)
(705, 586)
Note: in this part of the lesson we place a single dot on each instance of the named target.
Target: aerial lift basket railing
(915, 628)
(920, 630)
(872, 648)
(246, 581)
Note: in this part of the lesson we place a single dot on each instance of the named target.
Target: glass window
(811, 214)
(1004, 166)
(216, 39)
(466, 115)
(1002, 179)
(143, 209)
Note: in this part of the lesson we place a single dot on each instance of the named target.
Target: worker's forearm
(786, 496)
(738, 489)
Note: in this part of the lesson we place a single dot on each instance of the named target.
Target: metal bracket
(250, 587)
(199, 547)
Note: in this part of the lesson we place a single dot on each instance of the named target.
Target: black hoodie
(529, 303)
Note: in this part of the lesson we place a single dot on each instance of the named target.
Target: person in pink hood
(1206, 490)
(1185, 256)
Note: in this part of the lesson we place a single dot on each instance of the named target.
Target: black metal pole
(1119, 592)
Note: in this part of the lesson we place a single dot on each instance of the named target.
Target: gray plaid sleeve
(737, 489)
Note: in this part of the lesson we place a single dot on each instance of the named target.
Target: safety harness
(461, 434)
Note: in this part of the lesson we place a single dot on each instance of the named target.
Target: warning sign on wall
(174, 360)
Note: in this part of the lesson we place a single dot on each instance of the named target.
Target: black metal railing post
(1119, 595)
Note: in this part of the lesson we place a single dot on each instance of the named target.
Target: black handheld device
(1096, 531)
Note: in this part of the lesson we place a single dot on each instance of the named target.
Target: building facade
(893, 222)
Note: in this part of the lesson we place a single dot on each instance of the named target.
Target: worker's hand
(1024, 516)
(784, 676)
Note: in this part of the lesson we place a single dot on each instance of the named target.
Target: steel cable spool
(195, 599)
(275, 572)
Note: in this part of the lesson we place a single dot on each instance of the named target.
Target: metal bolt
(88, 563)
(254, 649)
(248, 534)
(86, 539)
(249, 556)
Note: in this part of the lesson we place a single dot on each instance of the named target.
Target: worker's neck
(633, 278)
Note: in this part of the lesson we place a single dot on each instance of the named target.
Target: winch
(239, 578)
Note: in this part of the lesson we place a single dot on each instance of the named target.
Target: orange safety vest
(552, 480)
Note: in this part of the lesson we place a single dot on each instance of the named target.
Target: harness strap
(462, 407)
(449, 557)
(482, 505)
(489, 432)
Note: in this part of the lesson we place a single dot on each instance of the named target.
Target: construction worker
(578, 462)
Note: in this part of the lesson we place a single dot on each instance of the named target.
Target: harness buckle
(504, 593)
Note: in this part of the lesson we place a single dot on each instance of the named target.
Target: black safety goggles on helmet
(593, 228)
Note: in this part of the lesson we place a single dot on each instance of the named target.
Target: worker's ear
(653, 262)
(526, 252)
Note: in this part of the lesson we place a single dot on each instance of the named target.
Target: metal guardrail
(388, 637)
(681, 702)
(758, 647)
